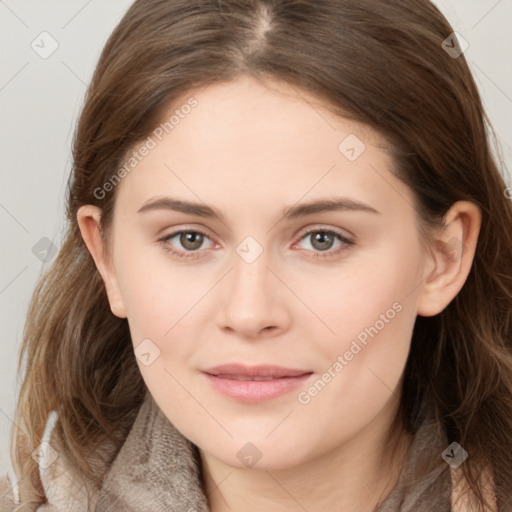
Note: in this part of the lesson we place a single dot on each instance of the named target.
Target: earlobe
(89, 222)
(451, 256)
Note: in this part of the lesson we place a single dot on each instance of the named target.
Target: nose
(254, 303)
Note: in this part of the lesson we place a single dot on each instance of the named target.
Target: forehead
(267, 144)
(248, 109)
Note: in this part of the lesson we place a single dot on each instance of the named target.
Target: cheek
(361, 365)
(150, 288)
(163, 347)
(373, 300)
(371, 343)
(160, 298)
(370, 311)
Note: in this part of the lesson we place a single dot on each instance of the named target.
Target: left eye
(322, 241)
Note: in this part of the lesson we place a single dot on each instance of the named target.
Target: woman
(286, 281)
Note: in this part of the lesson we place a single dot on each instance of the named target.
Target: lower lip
(254, 391)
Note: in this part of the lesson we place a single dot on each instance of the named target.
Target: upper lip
(240, 370)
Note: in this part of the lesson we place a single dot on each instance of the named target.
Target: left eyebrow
(326, 205)
(289, 213)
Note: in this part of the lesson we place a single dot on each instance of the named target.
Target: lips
(241, 372)
(253, 384)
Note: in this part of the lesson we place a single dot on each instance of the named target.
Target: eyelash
(347, 242)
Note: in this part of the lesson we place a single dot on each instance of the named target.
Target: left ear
(452, 254)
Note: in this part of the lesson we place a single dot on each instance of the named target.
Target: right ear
(89, 222)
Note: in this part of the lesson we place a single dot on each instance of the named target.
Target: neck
(357, 475)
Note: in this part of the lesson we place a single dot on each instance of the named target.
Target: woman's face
(329, 295)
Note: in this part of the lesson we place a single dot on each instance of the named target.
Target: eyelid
(175, 230)
(343, 233)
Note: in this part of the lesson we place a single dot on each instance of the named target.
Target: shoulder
(6, 495)
(461, 502)
(63, 486)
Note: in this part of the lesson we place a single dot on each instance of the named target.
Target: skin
(270, 147)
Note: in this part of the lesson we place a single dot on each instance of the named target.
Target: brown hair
(381, 63)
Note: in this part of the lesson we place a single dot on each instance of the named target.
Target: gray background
(40, 100)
